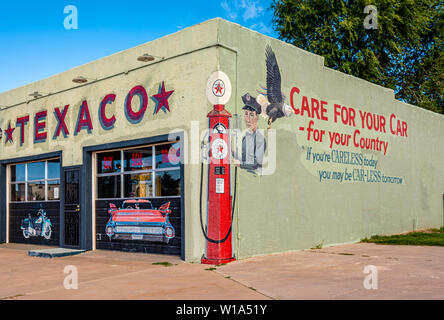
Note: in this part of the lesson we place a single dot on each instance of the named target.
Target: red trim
(216, 261)
(219, 111)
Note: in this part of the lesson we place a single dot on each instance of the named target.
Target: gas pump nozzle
(204, 147)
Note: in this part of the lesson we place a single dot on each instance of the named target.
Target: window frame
(26, 182)
(124, 173)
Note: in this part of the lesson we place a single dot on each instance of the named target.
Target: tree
(404, 52)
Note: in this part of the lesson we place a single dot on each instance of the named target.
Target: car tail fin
(112, 208)
(165, 208)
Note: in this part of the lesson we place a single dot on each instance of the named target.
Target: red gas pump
(219, 246)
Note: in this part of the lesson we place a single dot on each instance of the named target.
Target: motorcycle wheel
(47, 232)
(26, 234)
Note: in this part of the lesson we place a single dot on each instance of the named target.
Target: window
(167, 156)
(109, 187)
(18, 172)
(138, 159)
(109, 162)
(35, 181)
(138, 185)
(131, 172)
(168, 183)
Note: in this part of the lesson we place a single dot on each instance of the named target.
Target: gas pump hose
(232, 208)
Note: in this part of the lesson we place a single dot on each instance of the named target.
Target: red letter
(305, 106)
(61, 126)
(136, 117)
(38, 126)
(357, 132)
(293, 90)
(391, 127)
(315, 109)
(84, 119)
(22, 122)
(337, 112)
(106, 123)
(404, 129)
(323, 111)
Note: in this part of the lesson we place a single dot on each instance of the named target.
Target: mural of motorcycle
(38, 226)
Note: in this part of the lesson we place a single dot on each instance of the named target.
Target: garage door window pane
(138, 185)
(54, 169)
(109, 162)
(168, 183)
(36, 191)
(54, 190)
(167, 155)
(139, 159)
(18, 192)
(36, 171)
(109, 187)
(18, 172)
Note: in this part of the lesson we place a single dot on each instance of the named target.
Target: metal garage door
(138, 199)
(34, 206)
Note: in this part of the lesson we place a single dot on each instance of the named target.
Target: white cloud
(261, 27)
(250, 9)
(232, 14)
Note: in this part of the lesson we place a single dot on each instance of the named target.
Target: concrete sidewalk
(404, 272)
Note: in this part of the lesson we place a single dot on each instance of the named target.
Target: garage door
(138, 199)
(34, 206)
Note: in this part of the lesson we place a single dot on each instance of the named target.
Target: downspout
(236, 215)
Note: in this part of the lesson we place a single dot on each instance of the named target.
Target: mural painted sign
(340, 143)
(271, 106)
(343, 143)
(348, 116)
(84, 119)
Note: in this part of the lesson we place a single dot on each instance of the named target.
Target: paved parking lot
(403, 272)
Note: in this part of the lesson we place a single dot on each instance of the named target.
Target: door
(71, 208)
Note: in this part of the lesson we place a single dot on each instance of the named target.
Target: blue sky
(35, 44)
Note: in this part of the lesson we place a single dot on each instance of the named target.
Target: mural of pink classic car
(138, 220)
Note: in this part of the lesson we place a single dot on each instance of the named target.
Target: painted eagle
(273, 107)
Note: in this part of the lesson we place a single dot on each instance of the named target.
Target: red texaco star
(218, 88)
(9, 132)
(162, 98)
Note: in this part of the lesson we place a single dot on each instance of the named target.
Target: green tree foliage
(404, 53)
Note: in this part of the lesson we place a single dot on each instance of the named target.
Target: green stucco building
(342, 159)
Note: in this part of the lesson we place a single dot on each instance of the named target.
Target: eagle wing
(274, 92)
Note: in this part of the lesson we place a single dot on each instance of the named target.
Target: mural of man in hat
(253, 143)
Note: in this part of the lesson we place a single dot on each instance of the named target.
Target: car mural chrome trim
(138, 220)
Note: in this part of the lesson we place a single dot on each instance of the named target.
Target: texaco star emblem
(218, 88)
(219, 149)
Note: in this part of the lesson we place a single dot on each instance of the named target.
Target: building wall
(286, 206)
(289, 207)
(190, 56)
